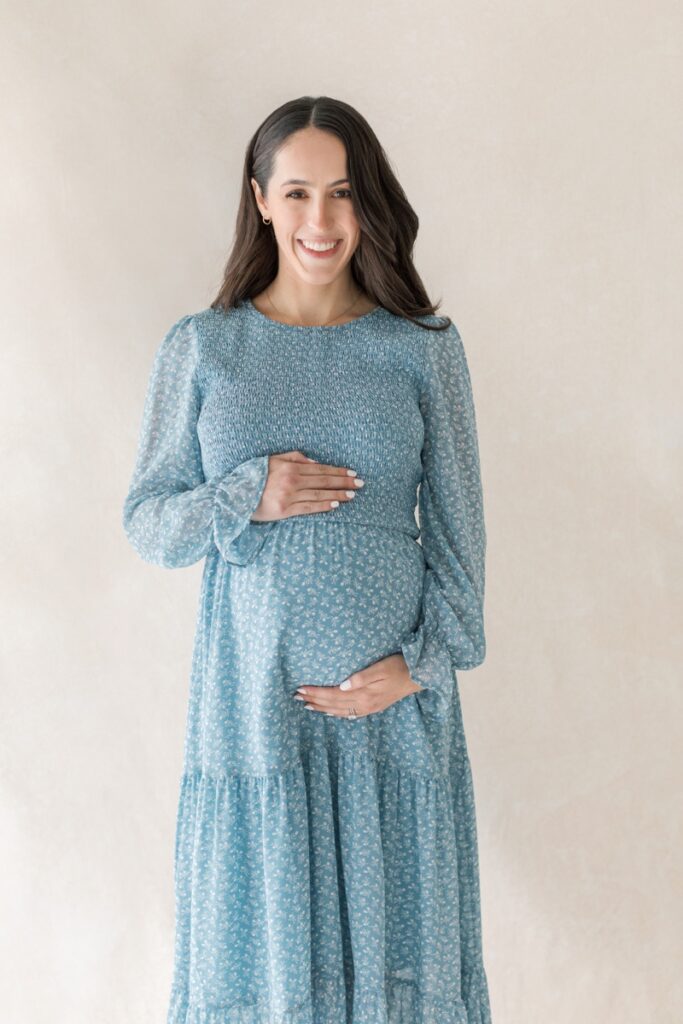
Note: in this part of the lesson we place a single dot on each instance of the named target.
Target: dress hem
(400, 1002)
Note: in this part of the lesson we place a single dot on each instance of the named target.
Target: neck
(314, 306)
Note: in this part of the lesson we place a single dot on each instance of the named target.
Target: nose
(319, 216)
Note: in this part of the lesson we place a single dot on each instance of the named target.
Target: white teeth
(318, 246)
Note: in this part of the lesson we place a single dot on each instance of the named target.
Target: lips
(320, 254)
(318, 241)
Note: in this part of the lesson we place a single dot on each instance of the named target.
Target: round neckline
(311, 327)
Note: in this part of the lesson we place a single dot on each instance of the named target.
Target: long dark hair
(382, 264)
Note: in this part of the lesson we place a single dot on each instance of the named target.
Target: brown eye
(298, 192)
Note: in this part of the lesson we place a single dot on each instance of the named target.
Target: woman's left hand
(365, 692)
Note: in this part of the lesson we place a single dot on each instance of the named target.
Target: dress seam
(380, 764)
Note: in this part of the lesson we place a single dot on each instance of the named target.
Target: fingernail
(345, 685)
(330, 713)
(298, 697)
(309, 707)
(359, 481)
(300, 689)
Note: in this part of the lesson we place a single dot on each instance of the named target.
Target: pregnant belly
(323, 600)
(319, 602)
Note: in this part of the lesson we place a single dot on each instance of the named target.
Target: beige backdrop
(540, 144)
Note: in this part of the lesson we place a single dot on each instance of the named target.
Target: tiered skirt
(326, 868)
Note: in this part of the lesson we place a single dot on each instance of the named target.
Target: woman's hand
(297, 485)
(372, 689)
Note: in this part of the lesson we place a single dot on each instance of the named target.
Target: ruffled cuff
(444, 640)
(237, 496)
(429, 664)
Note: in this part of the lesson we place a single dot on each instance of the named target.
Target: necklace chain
(318, 325)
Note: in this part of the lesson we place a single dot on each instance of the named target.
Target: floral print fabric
(326, 868)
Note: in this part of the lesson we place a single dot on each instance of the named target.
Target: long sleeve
(450, 633)
(172, 514)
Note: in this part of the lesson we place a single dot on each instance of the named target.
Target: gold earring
(266, 221)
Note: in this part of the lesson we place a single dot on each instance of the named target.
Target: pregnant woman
(326, 865)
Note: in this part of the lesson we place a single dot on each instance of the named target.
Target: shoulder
(442, 358)
(437, 344)
(188, 333)
(216, 323)
(178, 343)
(436, 326)
(190, 323)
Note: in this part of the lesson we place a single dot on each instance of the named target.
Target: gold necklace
(317, 325)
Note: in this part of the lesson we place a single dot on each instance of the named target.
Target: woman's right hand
(297, 485)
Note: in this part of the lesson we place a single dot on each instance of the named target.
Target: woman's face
(316, 206)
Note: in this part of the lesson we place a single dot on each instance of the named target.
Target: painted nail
(298, 696)
(350, 494)
(300, 689)
(350, 472)
(359, 481)
(309, 707)
(345, 684)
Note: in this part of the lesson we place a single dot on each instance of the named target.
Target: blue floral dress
(326, 868)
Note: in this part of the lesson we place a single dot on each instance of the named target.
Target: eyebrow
(300, 181)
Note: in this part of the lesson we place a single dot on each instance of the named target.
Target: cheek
(286, 218)
(352, 228)
(354, 239)
(287, 231)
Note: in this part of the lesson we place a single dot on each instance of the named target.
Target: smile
(320, 248)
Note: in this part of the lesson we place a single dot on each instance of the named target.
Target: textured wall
(540, 144)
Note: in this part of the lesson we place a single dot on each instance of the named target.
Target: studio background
(540, 145)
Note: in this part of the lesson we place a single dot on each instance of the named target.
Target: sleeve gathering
(450, 632)
(173, 515)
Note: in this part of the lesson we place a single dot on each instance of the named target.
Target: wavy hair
(382, 264)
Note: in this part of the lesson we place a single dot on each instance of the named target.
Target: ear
(260, 201)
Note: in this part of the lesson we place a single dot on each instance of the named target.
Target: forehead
(311, 157)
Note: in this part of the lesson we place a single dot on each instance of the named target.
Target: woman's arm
(450, 634)
(172, 515)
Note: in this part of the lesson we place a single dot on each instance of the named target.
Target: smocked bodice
(348, 396)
